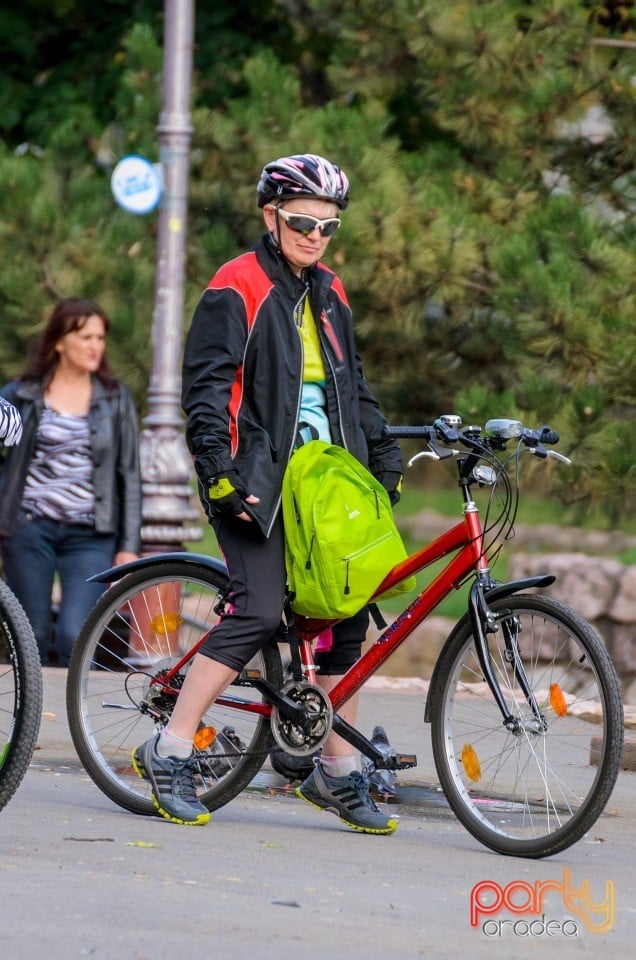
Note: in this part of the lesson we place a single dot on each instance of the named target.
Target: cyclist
(10, 424)
(270, 361)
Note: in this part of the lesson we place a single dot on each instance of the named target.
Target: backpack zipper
(311, 547)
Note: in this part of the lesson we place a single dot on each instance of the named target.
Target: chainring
(303, 739)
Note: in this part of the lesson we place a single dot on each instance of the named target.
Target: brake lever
(543, 454)
(436, 453)
(559, 456)
(422, 453)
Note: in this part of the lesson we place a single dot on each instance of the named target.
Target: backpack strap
(377, 617)
(291, 637)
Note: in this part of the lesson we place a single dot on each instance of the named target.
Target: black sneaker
(290, 766)
(173, 792)
(348, 797)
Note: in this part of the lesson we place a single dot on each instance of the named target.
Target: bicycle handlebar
(448, 430)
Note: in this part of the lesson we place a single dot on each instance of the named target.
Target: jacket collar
(273, 262)
(34, 390)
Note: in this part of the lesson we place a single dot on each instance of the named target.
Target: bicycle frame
(465, 537)
(466, 541)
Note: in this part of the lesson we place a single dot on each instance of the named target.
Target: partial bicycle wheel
(535, 789)
(140, 628)
(20, 694)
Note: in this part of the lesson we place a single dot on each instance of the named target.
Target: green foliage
(489, 249)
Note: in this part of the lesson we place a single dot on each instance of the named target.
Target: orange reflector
(471, 763)
(165, 623)
(204, 737)
(557, 700)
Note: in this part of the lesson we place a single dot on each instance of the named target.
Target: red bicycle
(508, 701)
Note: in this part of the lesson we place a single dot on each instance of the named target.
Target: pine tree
(489, 250)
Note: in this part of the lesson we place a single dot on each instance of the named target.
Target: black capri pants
(256, 565)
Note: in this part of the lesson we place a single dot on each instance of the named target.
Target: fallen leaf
(142, 843)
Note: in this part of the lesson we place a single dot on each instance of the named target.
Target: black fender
(153, 560)
(491, 594)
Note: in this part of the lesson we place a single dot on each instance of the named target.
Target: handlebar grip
(546, 435)
(415, 433)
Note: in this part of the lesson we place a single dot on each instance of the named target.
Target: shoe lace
(362, 786)
(183, 783)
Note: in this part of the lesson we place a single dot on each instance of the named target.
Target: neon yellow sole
(391, 825)
(201, 819)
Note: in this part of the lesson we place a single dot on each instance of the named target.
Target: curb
(628, 756)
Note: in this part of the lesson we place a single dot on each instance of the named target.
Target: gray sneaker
(173, 792)
(348, 797)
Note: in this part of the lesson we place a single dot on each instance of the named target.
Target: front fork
(484, 621)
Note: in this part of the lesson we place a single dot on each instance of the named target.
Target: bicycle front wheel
(534, 789)
(141, 628)
(20, 694)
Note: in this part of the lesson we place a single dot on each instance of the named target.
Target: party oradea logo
(527, 904)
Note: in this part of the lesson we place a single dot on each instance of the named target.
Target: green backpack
(340, 537)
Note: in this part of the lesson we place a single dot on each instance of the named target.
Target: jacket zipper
(335, 387)
(297, 417)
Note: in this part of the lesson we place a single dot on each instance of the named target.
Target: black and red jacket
(243, 376)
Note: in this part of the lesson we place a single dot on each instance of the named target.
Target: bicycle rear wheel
(536, 790)
(20, 694)
(141, 627)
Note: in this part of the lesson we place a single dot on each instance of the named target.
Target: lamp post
(166, 468)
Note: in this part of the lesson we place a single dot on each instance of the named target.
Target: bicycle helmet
(303, 175)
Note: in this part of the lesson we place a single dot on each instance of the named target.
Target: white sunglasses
(306, 224)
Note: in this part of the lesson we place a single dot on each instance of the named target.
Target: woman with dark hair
(70, 492)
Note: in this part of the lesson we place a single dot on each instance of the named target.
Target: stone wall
(601, 589)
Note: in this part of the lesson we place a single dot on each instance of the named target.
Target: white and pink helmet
(303, 175)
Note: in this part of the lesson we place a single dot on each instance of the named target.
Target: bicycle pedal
(405, 760)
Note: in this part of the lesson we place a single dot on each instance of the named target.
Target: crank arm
(398, 761)
(287, 708)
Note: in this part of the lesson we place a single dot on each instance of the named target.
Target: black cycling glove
(226, 493)
(392, 483)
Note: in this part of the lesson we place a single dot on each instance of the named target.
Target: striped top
(59, 482)
(10, 424)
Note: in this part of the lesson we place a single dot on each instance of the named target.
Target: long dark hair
(68, 315)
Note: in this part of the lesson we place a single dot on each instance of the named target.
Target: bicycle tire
(20, 694)
(155, 615)
(535, 792)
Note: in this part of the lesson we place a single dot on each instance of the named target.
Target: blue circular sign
(136, 184)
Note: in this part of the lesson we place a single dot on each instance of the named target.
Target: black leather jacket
(115, 446)
(243, 375)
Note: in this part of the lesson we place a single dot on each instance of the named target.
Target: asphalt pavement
(80, 877)
(397, 704)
